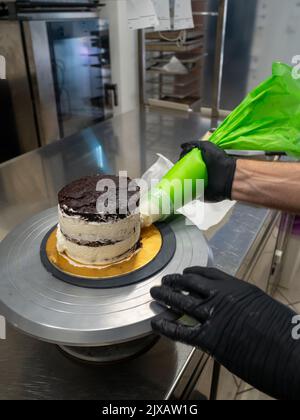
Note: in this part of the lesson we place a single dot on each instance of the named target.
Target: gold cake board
(151, 243)
(158, 246)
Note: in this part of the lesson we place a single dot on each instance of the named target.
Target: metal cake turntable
(94, 324)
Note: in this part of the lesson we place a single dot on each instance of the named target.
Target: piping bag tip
(151, 207)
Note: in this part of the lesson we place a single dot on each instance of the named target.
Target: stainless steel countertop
(29, 184)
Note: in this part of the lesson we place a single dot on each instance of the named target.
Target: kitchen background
(69, 65)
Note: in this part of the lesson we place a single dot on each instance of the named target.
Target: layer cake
(98, 237)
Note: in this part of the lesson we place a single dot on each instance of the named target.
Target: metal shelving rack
(177, 90)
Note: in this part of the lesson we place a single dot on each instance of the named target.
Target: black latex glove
(220, 167)
(239, 325)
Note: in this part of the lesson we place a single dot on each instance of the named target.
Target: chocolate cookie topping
(81, 198)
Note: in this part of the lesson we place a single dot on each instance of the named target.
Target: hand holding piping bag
(220, 169)
(255, 124)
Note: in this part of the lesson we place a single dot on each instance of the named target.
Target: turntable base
(110, 354)
(45, 307)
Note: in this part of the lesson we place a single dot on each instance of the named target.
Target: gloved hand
(239, 325)
(220, 167)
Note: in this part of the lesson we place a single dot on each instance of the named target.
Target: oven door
(69, 62)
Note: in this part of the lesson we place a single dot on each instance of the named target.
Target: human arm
(268, 184)
(274, 185)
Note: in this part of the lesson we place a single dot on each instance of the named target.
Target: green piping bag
(267, 120)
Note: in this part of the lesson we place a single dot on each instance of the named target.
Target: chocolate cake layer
(80, 198)
(92, 244)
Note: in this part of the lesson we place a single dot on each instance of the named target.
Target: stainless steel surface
(40, 305)
(36, 370)
(32, 369)
(285, 228)
(259, 263)
(235, 247)
(11, 48)
(142, 66)
(239, 52)
(219, 57)
(39, 62)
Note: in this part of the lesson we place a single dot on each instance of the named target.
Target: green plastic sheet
(268, 119)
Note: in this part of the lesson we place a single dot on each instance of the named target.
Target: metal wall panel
(11, 48)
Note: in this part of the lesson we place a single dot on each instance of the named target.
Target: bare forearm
(268, 184)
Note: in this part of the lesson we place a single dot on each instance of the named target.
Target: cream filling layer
(74, 227)
(99, 255)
